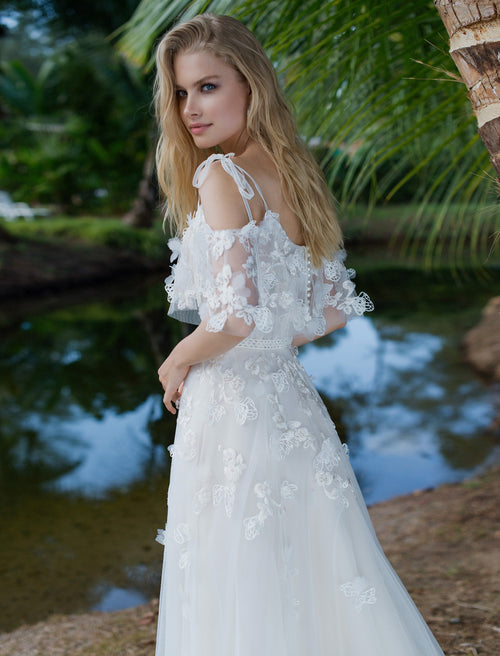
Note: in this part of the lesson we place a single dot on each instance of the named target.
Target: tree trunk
(141, 213)
(474, 29)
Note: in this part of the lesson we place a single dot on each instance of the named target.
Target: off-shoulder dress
(269, 548)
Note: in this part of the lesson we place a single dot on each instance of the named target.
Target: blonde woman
(269, 549)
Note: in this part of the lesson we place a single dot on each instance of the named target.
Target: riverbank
(75, 254)
(59, 253)
(444, 544)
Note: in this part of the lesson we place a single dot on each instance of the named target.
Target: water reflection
(411, 408)
(83, 435)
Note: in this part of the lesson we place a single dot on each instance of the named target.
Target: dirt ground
(444, 543)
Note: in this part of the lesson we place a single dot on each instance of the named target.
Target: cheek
(235, 109)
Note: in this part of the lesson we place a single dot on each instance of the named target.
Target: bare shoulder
(222, 203)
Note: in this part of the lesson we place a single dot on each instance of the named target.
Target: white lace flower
(245, 410)
(182, 536)
(226, 494)
(186, 445)
(333, 483)
(262, 490)
(201, 500)
(220, 241)
(360, 592)
(288, 490)
(216, 412)
(233, 462)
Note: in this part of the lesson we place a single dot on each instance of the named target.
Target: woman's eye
(208, 87)
(180, 93)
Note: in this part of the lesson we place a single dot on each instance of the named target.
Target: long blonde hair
(270, 123)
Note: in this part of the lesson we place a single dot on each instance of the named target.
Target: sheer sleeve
(334, 300)
(230, 297)
(215, 279)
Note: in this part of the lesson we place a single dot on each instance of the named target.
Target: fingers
(172, 381)
(168, 403)
(171, 401)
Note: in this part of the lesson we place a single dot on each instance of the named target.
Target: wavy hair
(270, 123)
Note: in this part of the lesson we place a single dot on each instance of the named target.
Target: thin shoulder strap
(238, 174)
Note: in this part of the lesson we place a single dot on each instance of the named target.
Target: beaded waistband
(252, 343)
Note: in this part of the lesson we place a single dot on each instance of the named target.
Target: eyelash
(182, 94)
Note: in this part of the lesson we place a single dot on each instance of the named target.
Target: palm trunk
(474, 29)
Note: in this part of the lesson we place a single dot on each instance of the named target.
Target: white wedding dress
(269, 549)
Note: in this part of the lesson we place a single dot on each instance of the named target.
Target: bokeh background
(83, 325)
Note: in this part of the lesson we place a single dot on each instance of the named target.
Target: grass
(100, 231)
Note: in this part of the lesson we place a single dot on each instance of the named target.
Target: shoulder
(220, 198)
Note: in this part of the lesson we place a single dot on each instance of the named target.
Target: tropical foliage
(75, 132)
(377, 94)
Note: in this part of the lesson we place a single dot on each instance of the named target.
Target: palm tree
(370, 85)
(474, 35)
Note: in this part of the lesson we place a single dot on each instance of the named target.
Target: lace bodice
(254, 281)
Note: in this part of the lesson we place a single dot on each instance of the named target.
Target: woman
(269, 547)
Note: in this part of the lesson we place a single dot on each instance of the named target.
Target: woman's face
(212, 100)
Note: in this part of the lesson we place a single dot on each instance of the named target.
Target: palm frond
(374, 86)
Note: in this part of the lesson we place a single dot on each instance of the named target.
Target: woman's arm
(198, 346)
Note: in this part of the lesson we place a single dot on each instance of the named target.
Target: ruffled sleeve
(334, 300)
(230, 297)
(214, 277)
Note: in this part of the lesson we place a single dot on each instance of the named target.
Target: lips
(199, 128)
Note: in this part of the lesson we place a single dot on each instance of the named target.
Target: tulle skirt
(269, 548)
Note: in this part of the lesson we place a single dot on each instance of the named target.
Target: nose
(191, 107)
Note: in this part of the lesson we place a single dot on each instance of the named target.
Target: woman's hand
(172, 375)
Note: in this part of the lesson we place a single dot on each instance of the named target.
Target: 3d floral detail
(288, 490)
(182, 536)
(226, 494)
(245, 410)
(185, 409)
(263, 318)
(295, 435)
(233, 462)
(280, 381)
(216, 412)
(162, 536)
(258, 366)
(286, 300)
(324, 464)
(187, 444)
(175, 246)
(220, 241)
(248, 236)
(233, 465)
(250, 267)
(296, 262)
(360, 592)
(201, 499)
(253, 525)
(236, 384)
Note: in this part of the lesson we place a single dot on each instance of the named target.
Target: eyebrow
(201, 80)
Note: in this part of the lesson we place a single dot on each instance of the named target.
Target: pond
(83, 434)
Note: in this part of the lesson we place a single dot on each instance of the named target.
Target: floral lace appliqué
(266, 506)
(291, 434)
(234, 465)
(325, 464)
(255, 276)
(183, 537)
(360, 592)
